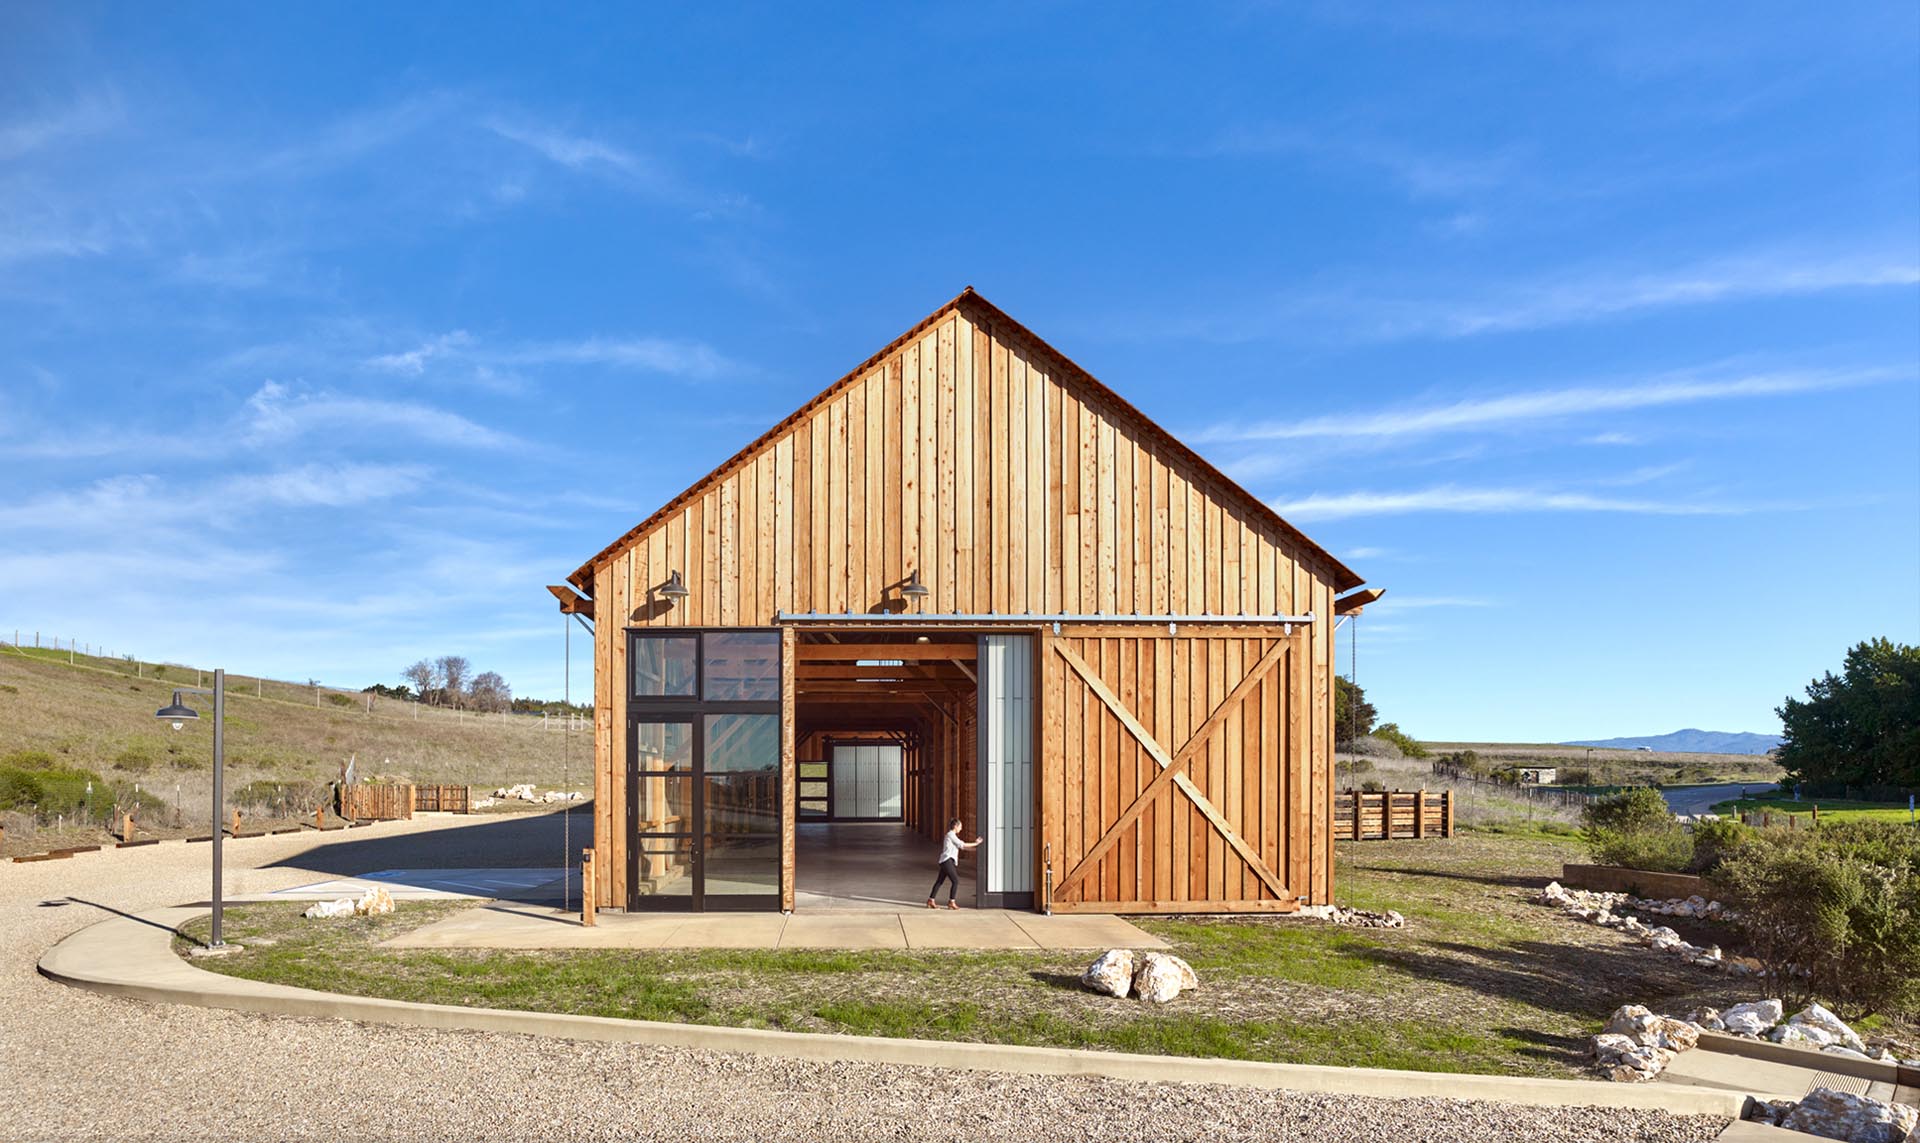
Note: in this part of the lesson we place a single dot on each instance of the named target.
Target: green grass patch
(1831, 809)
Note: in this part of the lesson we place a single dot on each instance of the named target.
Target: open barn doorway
(884, 749)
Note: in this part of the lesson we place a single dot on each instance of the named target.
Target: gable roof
(974, 305)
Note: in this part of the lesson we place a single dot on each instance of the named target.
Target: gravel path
(78, 1066)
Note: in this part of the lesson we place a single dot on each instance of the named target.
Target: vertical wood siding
(987, 464)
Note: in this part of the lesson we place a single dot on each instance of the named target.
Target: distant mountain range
(1692, 742)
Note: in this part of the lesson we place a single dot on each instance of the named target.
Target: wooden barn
(966, 580)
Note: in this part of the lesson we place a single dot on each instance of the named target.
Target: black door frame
(692, 710)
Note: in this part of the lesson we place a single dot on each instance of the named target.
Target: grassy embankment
(284, 741)
(1482, 980)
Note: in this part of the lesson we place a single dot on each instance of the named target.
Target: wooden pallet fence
(377, 801)
(443, 799)
(1392, 815)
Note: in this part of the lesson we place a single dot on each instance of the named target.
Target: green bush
(1635, 829)
(1407, 744)
(19, 790)
(342, 700)
(1715, 841)
(1654, 850)
(1833, 914)
(1629, 811)
(29, 760)
(136, 759)
(53, 790)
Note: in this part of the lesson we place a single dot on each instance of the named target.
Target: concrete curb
(133, 956)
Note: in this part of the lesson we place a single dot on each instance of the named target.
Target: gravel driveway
(78, 1066)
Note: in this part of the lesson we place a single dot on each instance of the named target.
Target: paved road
(78, 1066)
(1701, 799)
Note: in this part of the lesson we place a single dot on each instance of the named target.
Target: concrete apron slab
(133, 957)
(504, 925)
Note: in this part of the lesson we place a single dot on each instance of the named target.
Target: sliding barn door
(1177, 771)
(1007, 695)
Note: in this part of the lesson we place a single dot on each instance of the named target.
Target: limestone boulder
(1111, 974)
(1817, 1016)
(1158, 978)
(1624, 1060)
(374, 902)
(327, 910)
(1706, 1019)
(1832, 1114)
(1753, 1019)
(1801, 1035)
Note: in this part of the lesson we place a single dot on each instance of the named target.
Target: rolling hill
(1690, 741)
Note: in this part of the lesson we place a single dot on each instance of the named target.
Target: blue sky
(328, 337)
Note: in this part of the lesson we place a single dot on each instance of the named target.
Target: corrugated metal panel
(1007, 705)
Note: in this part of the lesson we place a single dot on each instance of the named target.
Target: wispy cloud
(1375, 310)
(626, 166)
(673, 356)
(1422, 172)
(413, 362)
(1552, 404)
(88, 115)
(277, 412)
(1592, 298)
(1459, 499)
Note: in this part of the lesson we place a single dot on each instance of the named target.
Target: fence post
(1359, 803)
(589, 892)
(1816, 815)
(1420, 813)
(1446, 803)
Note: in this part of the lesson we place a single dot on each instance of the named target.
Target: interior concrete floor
(868, 866)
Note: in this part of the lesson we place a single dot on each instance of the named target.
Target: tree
(490, 692)
(423, 677)
(1353, 715)
(452, 670)
(1861, 728)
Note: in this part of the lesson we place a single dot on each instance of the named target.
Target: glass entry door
(703, 782)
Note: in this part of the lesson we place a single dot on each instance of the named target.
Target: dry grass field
(284, 740)
(1626, 767)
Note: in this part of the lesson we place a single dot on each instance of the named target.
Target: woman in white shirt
(950, 847)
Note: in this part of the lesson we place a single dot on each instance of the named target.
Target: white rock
(1159, 977)
(374, 902)
(1111, 974)
(1753, 1019)
(1707, 1019)
(1839, 1115)
(1801, 1034)
(327, 910)
(1816, 1016)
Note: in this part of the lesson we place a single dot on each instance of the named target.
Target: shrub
(29, 760)
(1715, 841)
(1372, 786)
(1628, 811)
(1635, 829)
(1408, 745)
(1667, 850)
(19, 790)
(134, 760)
(1829, 921)
(342, 700)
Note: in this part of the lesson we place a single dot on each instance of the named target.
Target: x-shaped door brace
(1173, 769)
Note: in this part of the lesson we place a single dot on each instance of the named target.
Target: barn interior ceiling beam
(906, 652)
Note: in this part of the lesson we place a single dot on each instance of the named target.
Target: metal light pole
(179, 713)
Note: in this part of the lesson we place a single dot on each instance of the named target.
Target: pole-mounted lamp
(179, 714)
